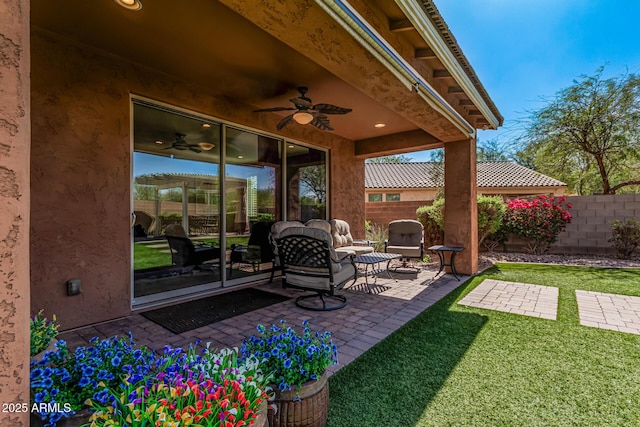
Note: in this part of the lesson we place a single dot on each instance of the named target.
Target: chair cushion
(341, 233)
(320, 224)
(405, 251)
(405, 232)
(353, 250)
(277, 227)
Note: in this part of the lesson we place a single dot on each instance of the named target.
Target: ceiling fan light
(206, 146)
(130, 4)
(303, 117)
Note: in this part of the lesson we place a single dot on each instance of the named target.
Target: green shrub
(626, 237)
(266, 217)
(433, 232)
(495, 239)
(42, 332)
(490, 212)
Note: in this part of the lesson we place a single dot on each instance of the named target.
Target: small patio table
(441, 250)
(371, 259)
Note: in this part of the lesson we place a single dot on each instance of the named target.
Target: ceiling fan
(181, 144)
(306, 112)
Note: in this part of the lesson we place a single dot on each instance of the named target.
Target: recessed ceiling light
(130, 4)
(159, 142)
(241, 157)
(379, 125)
(290, 146)
(206, 125)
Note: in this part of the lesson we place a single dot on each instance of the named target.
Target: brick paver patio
(609, 311)
(367, 319)
(512, 297)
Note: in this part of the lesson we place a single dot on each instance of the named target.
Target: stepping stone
(513, 297)
(609, 311)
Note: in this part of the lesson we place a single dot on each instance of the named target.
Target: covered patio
(367, 319)
(74, 72)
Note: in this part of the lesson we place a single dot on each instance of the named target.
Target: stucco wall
(14, 214)
(347, 188)
(81, 171)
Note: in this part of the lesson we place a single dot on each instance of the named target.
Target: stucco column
(15, 142)
(461, 209)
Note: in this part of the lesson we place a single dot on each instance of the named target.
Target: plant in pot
(63, 381)
(298, 363)
(186, 388)
(43, 334)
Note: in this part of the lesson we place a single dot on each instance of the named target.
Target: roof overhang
(255, 57)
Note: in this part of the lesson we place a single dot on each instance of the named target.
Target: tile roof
(430, 175)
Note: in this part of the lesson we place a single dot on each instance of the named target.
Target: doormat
(190, 315)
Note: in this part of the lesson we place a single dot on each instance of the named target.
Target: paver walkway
(512, 297)
(367, 319)
(609, 311)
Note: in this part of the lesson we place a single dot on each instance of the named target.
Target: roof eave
(430, 25)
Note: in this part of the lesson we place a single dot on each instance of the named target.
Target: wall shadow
(392, 383)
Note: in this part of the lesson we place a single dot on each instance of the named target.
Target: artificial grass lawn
(460, 366)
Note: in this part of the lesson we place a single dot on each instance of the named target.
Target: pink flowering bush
(539, 221)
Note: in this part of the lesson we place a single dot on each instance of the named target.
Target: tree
(396, 158)
(313, 178)
(491, 151)
(588, 134)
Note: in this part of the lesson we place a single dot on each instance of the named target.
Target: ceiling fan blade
(264, 110)
(330, 109)
(321, 122)
(195, 149)
(285, 121)
(302, 102)
(179, 147)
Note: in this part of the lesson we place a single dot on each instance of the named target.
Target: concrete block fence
(593, 217)
(588, 233)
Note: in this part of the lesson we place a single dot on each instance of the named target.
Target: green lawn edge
(457, 365)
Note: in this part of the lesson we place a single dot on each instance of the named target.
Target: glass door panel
(253, 200)
(306, 183)
(176, 203)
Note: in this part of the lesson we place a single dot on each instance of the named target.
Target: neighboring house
(414, 184)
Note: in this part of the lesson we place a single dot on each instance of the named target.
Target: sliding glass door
(204, 197)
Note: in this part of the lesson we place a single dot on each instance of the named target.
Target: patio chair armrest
(362, 242)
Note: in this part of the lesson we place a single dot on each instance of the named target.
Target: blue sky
(523, 50)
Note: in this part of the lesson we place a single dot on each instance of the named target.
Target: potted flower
(208, 389)
(298, 363)
(63, 381)
(43, 334)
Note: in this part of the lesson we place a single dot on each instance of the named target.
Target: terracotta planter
(262, 419)
(306, 407)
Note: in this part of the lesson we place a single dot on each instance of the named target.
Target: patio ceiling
(256, 55)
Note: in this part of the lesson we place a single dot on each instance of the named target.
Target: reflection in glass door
(252, 195)
(176, 204)
(306, 183)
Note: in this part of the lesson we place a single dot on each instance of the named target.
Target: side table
(441, 250)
